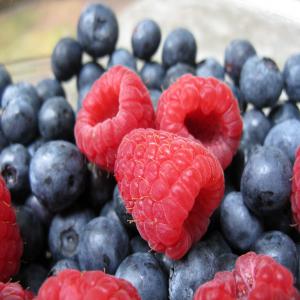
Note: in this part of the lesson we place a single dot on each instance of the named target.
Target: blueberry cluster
(70, 212)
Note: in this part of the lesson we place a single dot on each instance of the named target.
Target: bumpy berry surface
(117, 103)
(295, 197)
(11, 246)
(14, 291)
(205, 109)
(171, 185)
(72, 284)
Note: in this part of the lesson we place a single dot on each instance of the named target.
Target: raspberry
(171, 185)
(295, 196)
(14, 291)
(255, 277)
(10, 240)
(205, 109)
(72, 284)
(117, 103)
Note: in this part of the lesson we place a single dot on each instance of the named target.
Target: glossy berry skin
(153, 75)
(12, 290)
(295, 196)
(210, 67)
(137, 244)
(35, 145)
(144, 273)
(72, 284)
(97, 30)
(284, 111)
(236, 54)
(117, 103)
(49, 88)
(239, 97)
(5, 79)
(179, 46)
(122, 57)
(155, 95)
(64, 264)
(226, 262)
(66, 59)
(10, 238)
(160, 172)
(57, 181)
(3, 140)
(145, 39)
(261, 82)
(191, 108)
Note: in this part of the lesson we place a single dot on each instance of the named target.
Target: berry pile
(176, 180)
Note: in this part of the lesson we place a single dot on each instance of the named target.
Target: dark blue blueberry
(179, 47)
(266, 180)
(238, 95)
(165, 262)
(187, 274)
(65, 231)
(81, 96)
(19, 120)
(97, 30)
(88, 74)
(236, 54)
(291, 74)
(284, 111)
(210, 67)
(155, 95)
(3, 140)
(145, 39)
(240, 227)
(103, 245)
(261, 81)
(35, 145)
(153, 75)
(175, 72)
(32, 233)
(56, 119)
(48, 88)
(5, 79)
(57, 174)
(64, 264)
(137, 244)
(108, 210)
(122, 57)
(226, 262)
(279, 246)
(285, 136)
(66, 59)
(142, 270)
(215, 241)
(14, 166)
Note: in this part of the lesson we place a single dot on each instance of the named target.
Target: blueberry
(88, 74)
(226, 262)
(291, 74)
(165, 262)
(14, 166)
(108, 210)
(64, 264)
(240, 227)
(19, 120)
(143, 271)
(216, 243)
(32, 233)
(285, 136)
(153, 75)
(137, 244)
(179, 47)
(103, 244)
(187, 274)
(284, 111)
(35, 145)
(65, 231)
(236, 54)
(56, 119)
(145, 39)
(175, 72)
(5, 79)
(97, 30)
(261, 81)
(280, 247)
(210, 67)
(266, 180)
(57, 174)
(122, 57)
(155, 95)
(81, 96)
(238, 95)
(3, 140)
(48, 88)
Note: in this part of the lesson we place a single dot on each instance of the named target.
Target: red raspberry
(203, 108)
(171, 185)
(11, 245)
(255, 277)
(91, 285)
(295, 197)
(117, 103)
(13, 291)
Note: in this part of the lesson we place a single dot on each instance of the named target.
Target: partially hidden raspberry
(255, 277)
(295, 196)
(117, 103)
(14, 291)
(205, 109)
(171, 185)
(11, 245)
(90, 285)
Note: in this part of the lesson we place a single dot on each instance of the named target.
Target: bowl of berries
(166, 180)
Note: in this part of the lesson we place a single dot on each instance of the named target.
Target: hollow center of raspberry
(110, 111)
